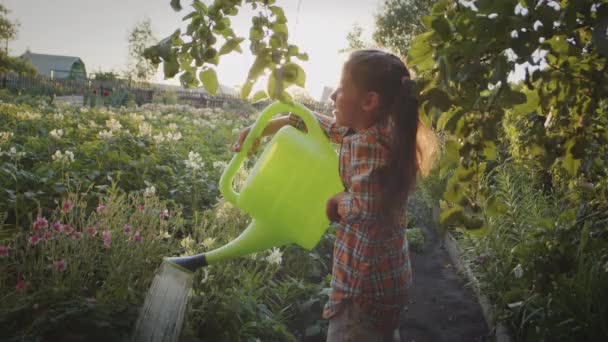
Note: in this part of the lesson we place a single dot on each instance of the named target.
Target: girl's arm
(271, 128)
(328, 124)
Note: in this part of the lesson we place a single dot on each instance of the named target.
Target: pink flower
(60, 265)
(46, 236)
(57, 227)
(34, 239)
(67, 229)
(107, 238)
(40, 223)
(164, 214)
(3, 251)
(92, 231)
(127, 228)
(141, 208)
(137, 237)
(101, 207)
(67, 206)
(77, 236)
(22, 286)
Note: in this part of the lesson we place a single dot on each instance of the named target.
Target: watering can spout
(188, 263)
(256, 238)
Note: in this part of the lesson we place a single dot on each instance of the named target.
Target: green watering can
(285, 192)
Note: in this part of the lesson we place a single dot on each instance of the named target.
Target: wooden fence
(141, 92)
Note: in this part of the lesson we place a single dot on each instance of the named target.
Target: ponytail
(413, 145)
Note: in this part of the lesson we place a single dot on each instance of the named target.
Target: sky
(96, 31)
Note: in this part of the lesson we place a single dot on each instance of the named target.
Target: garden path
(441, 307)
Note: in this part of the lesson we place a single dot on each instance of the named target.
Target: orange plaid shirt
(371, 263)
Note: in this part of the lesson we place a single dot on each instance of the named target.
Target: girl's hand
(236, 147)
(331, 209)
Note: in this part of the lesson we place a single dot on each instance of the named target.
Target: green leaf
(439, 7)
(427, 21)
(170, 67)
(176, 5)
(293, 73)
(188, 79)
(570, 164)
(421, 52)
(259, 96)
(489, 150)
(231, 45)
(200, 7)
(450, 157)
(449, 120)
(279, 13)
(209, 79)
(257, 69)
(279, 28)
(303, 56)
(451, 216)
(246, 89)
(442, 27)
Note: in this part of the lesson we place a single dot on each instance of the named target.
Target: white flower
(14, 154)
(493, 16)
(158, 138)
(220, 165)
(172, 126)
(554, 4)
(5, 137)
(173, 136)
(93, 124)
(208, 242)
(113, 125)
(515, 305)
(150, 191)
(145, 129)
(65, 157)
(518, 271)
(205, 275)
(58, 117)
(56, 133)
(514, 34)
(537, 25)
(275, 256)
(195, 161)
(136, 117)
(187, 242)
(105, 134)
(223, 210)
(521, 10)
(253, 256)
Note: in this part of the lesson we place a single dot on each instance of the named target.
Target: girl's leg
(352, 325)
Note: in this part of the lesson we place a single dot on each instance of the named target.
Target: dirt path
(441, 307)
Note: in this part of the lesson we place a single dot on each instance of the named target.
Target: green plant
(415, 239)
(74, 256)
(547, 279)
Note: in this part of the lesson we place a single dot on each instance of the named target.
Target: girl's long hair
(413, 146)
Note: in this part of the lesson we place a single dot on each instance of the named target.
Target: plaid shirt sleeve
(368, 156)
(328, 125)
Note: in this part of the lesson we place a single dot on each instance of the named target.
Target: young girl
(383, 146)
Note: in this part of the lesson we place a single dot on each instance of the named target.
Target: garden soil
(441, 307)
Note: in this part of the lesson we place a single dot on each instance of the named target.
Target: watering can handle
(258, 127)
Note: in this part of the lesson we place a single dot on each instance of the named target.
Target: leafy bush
(548, 279)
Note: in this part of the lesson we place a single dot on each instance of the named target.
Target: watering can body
(285, 192)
